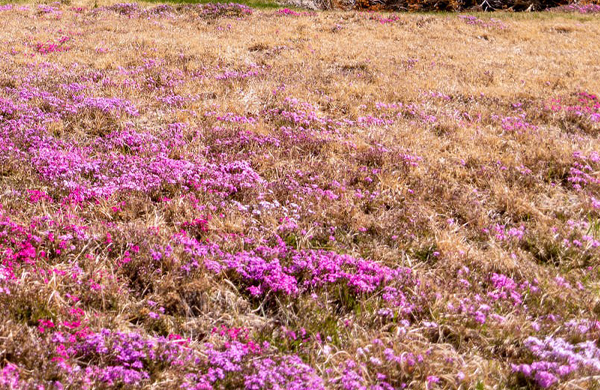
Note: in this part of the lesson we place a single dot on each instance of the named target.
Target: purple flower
(545, 379)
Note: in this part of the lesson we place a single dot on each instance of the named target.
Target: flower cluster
(490, 23)
(590, 8)
(558, 359)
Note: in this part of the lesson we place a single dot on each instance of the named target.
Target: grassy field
(256, 4)
(210, 196)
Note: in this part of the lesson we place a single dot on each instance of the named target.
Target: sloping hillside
(214, 197)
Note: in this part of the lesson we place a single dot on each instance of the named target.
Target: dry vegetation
(204, 196)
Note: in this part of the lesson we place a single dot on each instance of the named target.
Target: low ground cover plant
(213, 196)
